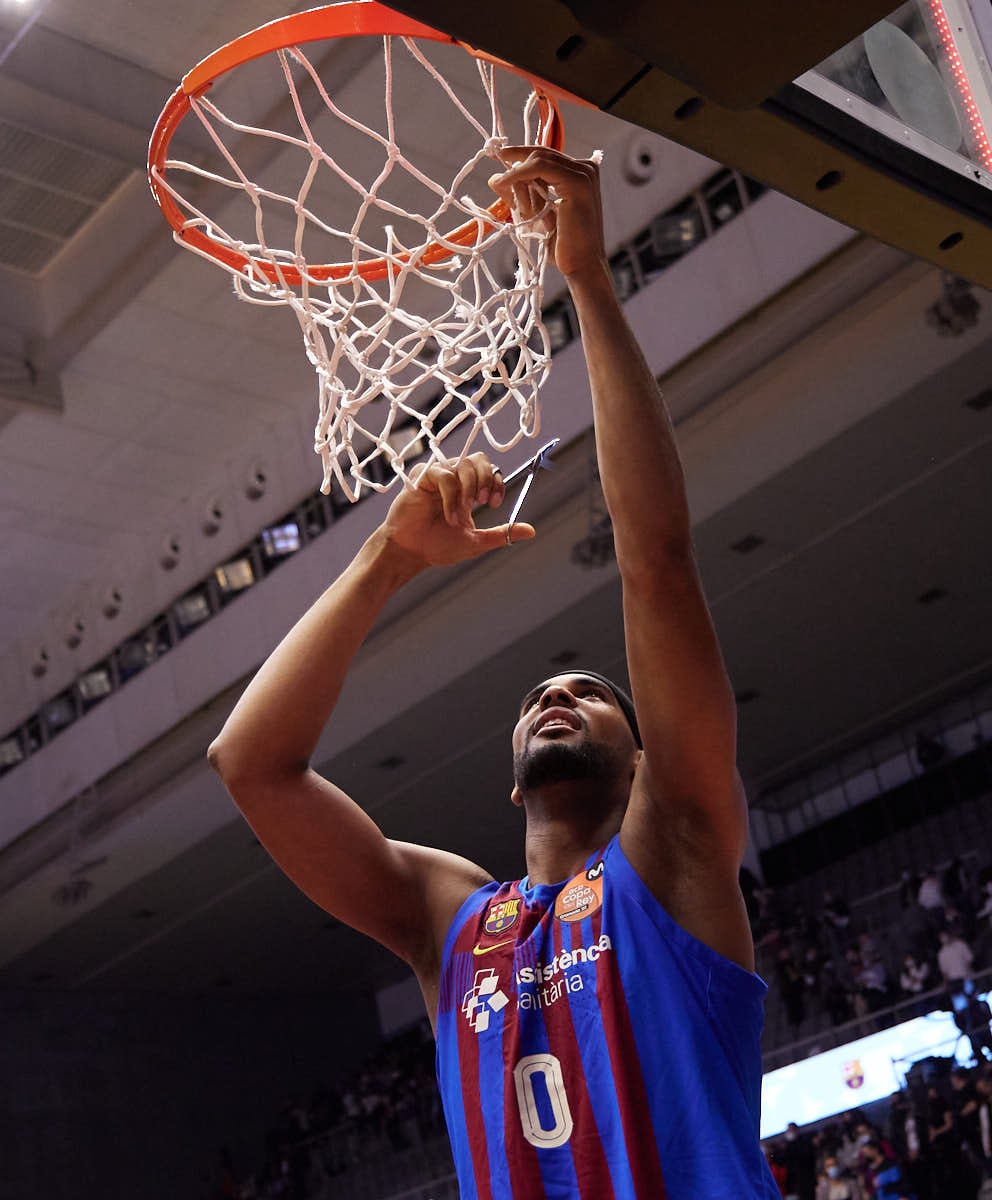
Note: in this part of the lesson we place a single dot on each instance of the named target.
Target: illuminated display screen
(859, 1073)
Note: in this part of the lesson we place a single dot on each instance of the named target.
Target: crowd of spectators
(390, 1105)
(830, 968)
(933, 1143)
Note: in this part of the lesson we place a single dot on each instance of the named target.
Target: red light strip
(966, 99)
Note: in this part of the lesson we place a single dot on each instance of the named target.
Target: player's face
(570, 727)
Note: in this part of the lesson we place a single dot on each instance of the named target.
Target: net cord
(491, 347)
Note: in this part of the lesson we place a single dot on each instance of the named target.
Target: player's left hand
(433, 520)
(575, 221)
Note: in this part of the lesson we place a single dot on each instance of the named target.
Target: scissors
(529, 468)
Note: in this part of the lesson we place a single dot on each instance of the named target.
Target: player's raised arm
(685, 828)
(399, 894)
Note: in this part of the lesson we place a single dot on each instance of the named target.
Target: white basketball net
(396, 376)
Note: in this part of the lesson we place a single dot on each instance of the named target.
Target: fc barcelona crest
(501, 916)
(854, 1076)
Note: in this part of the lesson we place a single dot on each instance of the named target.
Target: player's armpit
(690, 862)
(337, 855)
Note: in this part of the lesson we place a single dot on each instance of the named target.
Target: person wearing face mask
(837, 1183)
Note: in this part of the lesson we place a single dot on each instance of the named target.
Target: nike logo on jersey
(496, 946)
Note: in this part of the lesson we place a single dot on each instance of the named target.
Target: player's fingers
(468, 487)
(493, 539)
(497, 488)
(540, 162)
(490, 480)
(522, 202)
(449, 489)
(417, 474)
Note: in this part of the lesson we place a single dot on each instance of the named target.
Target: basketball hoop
(413, 335)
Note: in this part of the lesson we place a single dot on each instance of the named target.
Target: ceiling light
(280, 540)
(624, 275)
(234, 576)
(11, 753)
(135, 655)
(675, 234)
(59, 713)
(559, 326)
(192, 610)
(95, 684)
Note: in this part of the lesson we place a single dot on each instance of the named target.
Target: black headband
(625, 702)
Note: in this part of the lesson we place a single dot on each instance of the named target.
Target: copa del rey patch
(581, 896)
(502, 915)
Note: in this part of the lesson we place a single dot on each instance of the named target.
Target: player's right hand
(433, 519)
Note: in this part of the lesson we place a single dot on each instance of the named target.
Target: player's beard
(550, 762)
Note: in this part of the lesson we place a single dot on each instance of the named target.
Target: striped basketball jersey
(589, 1048)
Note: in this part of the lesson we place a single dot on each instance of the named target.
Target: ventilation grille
(48, 190)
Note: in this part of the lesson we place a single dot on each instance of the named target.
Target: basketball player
(598, 1021)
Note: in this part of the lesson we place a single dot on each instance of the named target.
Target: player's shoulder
(442, 866)
(447, 880)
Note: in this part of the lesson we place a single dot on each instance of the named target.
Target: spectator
(954, 921)
(886, 1174)
(971, 1016)
(790, 984)
(964, 1105)
(909, 889)
(954, 958)
(875, 983)
(777, 1166)
(947, 1167)
(837, 1183)
(811, 972)
(914, 977)
(836, 997)
(983, 1090)
(800, 1162)
(905, 1129)
(954, 884)
(930, 896)
(836, 912)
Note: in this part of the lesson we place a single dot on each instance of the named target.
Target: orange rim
(361, 18)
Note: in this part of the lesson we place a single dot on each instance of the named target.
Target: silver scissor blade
(539, 460)
(530, 468)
